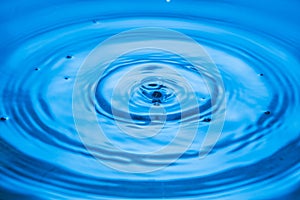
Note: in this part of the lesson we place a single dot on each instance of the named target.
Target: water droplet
(3, 118)
(267, 112)
(156, 94)
(156, 98)
(168, 1)
(207, 120)
(69, 57)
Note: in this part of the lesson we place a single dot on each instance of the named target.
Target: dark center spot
(156, 94)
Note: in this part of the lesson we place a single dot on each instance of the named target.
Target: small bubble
(37, 69)
(267, 112)
(261, 74)
(168, 1)
(207, 120)
(67, 78)
(69, 57)
(3, 118)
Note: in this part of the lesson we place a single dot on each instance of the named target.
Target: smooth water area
(150, 99)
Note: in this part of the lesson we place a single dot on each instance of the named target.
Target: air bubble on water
(37, 69)
(67, 78)
(3, 118)
(261, 74)
(69, 57)
(207, 120)
(267, 112)
(168, 1)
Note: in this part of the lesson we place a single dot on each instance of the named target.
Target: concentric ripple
(148, 82)
(83, 115)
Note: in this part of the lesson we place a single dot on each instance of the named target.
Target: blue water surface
(84, 115)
